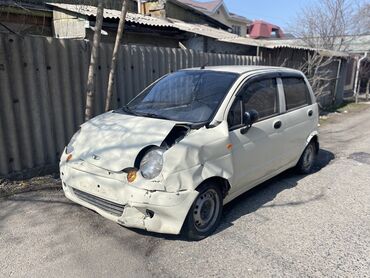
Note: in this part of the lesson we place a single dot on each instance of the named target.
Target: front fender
(203, 154)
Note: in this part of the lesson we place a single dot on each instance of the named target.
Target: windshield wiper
(129, 111)
(152, 115)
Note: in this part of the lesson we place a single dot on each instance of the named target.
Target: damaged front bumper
(155, 211)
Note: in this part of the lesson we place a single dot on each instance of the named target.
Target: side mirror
(249, 118)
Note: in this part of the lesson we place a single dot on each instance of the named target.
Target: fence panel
(43, 84)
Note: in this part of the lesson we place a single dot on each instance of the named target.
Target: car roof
(247, 69)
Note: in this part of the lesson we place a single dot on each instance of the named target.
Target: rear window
(296, 93)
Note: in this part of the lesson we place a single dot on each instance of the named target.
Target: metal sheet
(42, 90)
(114, 14)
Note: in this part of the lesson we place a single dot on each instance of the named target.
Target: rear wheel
(205, 213)
(308, 158)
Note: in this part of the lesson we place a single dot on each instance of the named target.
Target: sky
(278, 12)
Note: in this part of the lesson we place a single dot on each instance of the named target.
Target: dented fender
(202, 154)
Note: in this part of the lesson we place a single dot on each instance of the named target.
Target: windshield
(186, 96)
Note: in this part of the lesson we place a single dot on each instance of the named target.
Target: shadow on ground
(266, 192)
(259, 196)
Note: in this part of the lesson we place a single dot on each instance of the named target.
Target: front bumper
(156, 211)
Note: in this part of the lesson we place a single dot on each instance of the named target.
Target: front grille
(108, 206)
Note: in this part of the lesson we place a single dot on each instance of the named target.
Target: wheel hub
(205, 210)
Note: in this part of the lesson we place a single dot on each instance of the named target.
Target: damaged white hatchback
(190, 143)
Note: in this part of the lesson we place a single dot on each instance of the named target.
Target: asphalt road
(291, 226)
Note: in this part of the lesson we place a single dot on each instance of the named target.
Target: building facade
(218, 10)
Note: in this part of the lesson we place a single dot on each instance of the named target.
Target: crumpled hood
(112, 140)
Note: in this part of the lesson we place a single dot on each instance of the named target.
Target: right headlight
(69, 147)
(152, 163)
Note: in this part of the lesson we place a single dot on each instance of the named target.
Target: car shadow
(266, 192)
(258, 197)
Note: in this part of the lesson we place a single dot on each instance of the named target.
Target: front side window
(186, 96)
(296, 93)
(261, 96)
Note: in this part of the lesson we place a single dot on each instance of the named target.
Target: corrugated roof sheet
(114, 14)
(210, 32)
(356, 44)
(199, 29)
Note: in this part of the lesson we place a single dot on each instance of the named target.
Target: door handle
(310, 113)
(277, 124)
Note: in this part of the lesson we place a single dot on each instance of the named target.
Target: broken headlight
(152, 163)
(69, 148)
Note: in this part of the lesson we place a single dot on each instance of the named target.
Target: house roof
(194, 28)
(204, 30)
(263, 29)
(211, 7)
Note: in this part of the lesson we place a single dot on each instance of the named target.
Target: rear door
(301, 111)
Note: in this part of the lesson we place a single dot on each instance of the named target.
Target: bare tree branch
(325, 24)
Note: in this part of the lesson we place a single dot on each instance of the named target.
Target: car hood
(113, 140)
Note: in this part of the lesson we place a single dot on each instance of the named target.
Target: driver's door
(256, 153)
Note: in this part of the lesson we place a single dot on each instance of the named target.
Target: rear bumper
(156, 211)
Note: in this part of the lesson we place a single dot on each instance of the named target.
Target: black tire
(307, 160)
(205, 214)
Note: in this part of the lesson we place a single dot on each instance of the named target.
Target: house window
(236, 29)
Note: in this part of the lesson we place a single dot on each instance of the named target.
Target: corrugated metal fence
(42, 90)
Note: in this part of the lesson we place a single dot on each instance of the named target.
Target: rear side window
(296, 93)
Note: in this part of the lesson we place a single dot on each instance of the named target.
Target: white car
(190, 143)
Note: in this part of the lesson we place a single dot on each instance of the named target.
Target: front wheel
(308, 158)
(205, 213)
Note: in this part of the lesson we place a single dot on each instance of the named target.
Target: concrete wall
(42, 90)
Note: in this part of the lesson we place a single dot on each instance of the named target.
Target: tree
(325, 24)
(362, 18)
(112, 73)
(90, 87)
